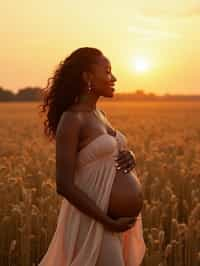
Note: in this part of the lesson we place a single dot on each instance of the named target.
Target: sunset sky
(152, 45)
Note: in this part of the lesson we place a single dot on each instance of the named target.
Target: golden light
(141, 64)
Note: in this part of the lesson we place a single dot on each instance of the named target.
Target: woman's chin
(109, 93)
(112, 92)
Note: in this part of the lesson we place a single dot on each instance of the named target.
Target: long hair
(65, 86)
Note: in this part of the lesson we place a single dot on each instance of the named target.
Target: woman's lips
(112, 87)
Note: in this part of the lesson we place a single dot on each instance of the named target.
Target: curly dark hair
(66, 86)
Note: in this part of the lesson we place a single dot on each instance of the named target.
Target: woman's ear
(86, 77)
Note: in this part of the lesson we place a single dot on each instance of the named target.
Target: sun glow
(141, 64)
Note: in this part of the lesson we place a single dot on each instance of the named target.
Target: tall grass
(166, 140)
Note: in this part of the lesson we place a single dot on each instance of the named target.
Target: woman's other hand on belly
(125, 161)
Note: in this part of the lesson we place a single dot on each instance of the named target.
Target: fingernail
(118, 167)
(125, 171)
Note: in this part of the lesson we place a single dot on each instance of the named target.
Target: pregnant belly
(126, 197)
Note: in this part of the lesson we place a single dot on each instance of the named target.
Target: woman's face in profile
(102, 81)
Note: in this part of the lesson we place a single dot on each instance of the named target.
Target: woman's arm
(82, 202)
(67, 137)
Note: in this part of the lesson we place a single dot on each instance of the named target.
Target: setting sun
(141, 64)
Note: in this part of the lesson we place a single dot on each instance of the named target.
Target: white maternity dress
(79, 239)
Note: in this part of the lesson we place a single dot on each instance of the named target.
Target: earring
(89, 87)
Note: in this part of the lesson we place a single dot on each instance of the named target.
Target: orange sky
(36, 35)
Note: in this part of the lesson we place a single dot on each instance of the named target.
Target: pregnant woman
(99, 223)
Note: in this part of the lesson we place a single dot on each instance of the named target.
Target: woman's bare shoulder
(69, 120)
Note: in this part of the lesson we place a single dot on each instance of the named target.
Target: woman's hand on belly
(125, 161)
(122, 224)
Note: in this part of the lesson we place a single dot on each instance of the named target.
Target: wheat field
(166, 140)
